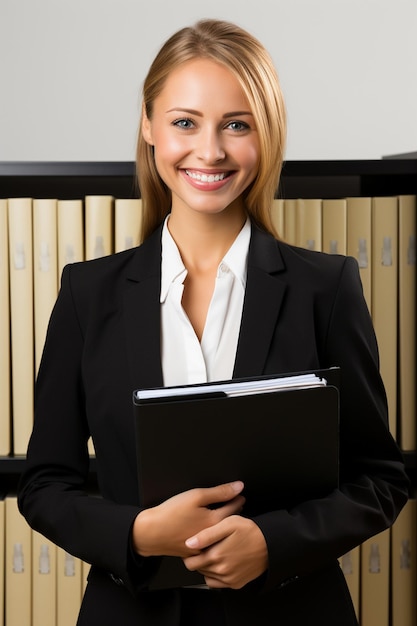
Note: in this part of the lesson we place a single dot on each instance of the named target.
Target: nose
(210, 147)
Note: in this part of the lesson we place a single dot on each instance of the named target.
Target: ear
(146, 127)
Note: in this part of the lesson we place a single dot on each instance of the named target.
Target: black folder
(283, 444)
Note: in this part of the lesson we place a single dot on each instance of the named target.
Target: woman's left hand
(233, 552)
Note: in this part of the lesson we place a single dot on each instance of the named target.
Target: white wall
(71, 73)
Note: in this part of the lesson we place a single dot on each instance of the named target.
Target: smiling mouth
(207, 178)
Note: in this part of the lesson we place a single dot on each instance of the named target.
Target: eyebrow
(199, 113)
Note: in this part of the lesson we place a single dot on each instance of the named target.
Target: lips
(207, 180)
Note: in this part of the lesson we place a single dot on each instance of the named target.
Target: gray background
(71, 73)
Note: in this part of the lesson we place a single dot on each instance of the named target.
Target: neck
(204, 239)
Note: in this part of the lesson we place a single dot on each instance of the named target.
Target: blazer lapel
(263, 299)
(142, 314)
(141, 310)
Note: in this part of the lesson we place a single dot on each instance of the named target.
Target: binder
(21, 305)
(99, 229)
(407, 341)
(70, 225)
(18, 572)
(85, 570)
(259, 444)
(45, 269)
(43, 581)
(127, 223)
(375, 580)
(404, 566)
(69, 588)
(277, 216)
(385, 295)
(5, 399)
(290, 234)
(98, 226)
(359, 233)
(309, 223)
(334, 225)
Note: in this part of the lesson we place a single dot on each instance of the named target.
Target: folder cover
(282, 444)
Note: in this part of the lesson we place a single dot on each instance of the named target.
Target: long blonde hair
(252, 65)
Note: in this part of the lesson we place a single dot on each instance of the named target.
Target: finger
(232, 507)
(207, 569)
(215, 583)
(220, 493)
(194, 564)
(208, 536)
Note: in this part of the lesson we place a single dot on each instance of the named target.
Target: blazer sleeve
(52, 493)
(373, 482)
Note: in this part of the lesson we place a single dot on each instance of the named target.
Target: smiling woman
(239, 77)
(211, 294)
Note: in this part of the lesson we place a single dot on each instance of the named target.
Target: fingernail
(237, 486)
(192, 542)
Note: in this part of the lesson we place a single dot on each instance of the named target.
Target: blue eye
(238, 126)
(184, 123)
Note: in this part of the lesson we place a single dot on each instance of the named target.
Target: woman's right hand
(163, 529)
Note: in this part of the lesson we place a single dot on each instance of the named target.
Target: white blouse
(184, 359)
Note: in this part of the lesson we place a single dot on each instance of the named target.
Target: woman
(210, 294)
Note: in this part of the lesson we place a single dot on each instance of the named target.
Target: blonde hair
(252, 65)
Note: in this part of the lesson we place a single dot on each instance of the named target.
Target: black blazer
(303, 310)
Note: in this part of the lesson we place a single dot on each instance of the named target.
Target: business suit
(302, 310)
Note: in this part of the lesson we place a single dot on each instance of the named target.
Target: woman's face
(204, 136)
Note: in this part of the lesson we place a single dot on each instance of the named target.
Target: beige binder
(21, 304)
(69, 588)
(407, 374)
(375, 580)
(5, 363)
(350, 565)
(334, 213)
(44, 581)
(18, 572)
(98, 226)
(127, 223)
(70, 224)
(309, 223)
(403, 560)
(290, 234)
(359, 212)
(277, 216)
(45, 269)
(384, 294)
(2, 559)
(99, 217)
(85, 570)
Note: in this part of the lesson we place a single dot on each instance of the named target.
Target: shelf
(395, 175)
(375, 167)
(332, 179)
(67, 180)
(324, 179)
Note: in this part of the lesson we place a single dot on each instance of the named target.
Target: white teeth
(206, 178)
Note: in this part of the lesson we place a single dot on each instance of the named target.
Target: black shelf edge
(67, 168)
(366, 167)
(371, 167)
(403, 155)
